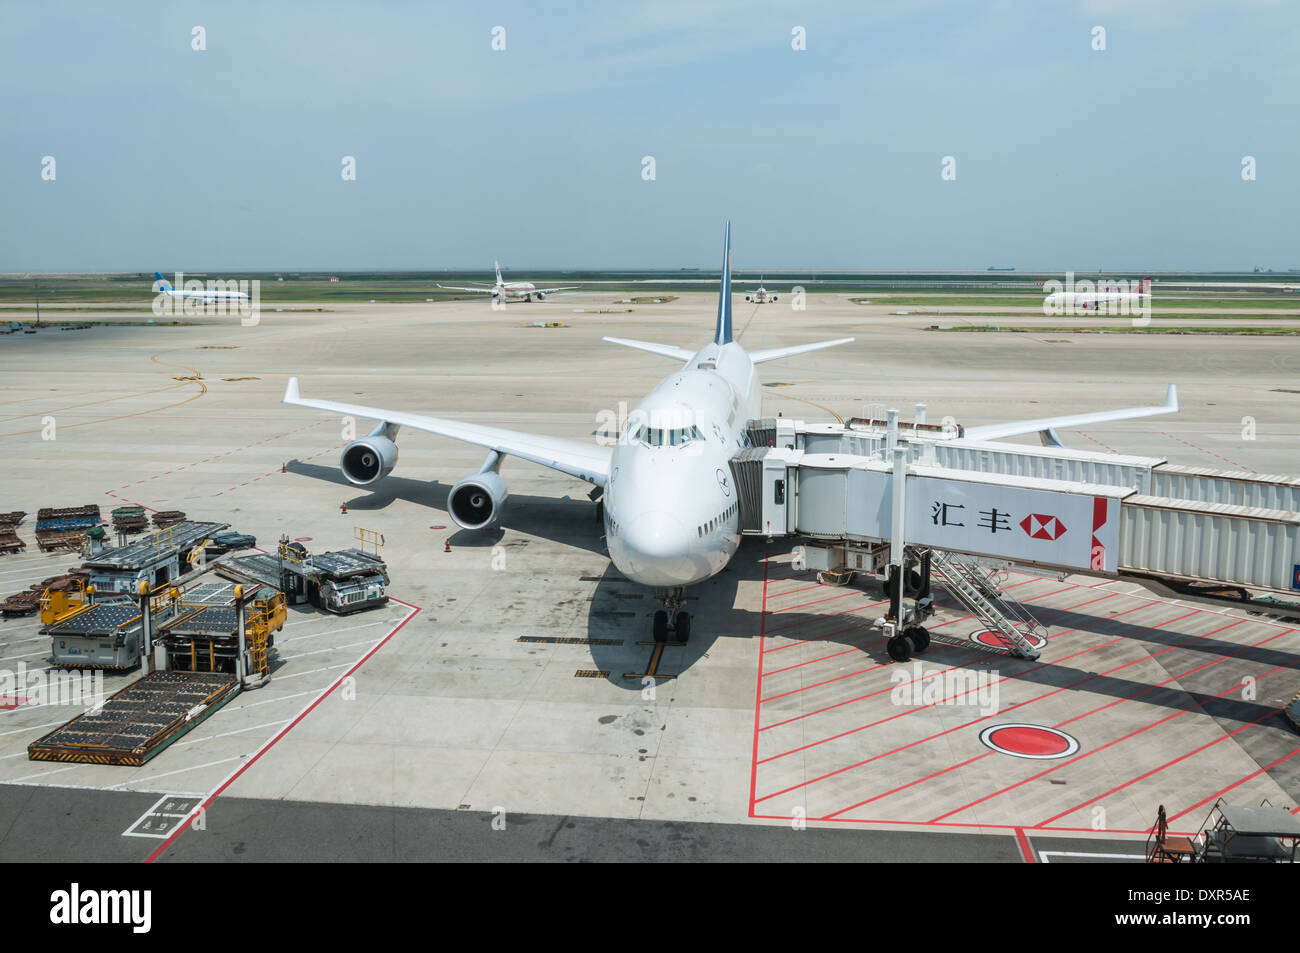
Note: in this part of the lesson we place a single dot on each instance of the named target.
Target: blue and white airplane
(210, 294)
(670, 510)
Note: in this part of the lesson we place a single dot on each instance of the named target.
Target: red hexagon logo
(1042, 526)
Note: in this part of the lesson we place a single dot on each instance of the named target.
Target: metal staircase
(977, 589)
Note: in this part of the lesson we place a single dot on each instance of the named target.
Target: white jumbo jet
(507, 290)
(163, 286)
(670, 510)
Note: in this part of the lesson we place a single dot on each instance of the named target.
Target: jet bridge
(961, 503)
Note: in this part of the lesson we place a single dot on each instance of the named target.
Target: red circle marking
(303, 539)
(1033, 741)
(996, 640)
(1029, 741)
(439, 526)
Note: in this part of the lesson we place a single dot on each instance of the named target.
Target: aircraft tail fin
(166, 285)
(497, 265)
(723, 334)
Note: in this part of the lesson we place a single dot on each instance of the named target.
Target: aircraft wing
(479, 290)
(551, 291)
(584, 461)
(1048, 426)
(663, 350)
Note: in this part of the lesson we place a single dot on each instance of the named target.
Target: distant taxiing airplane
(670, 509)
(511, 290)
(760, 296)
(1096, 295)
(163, 286)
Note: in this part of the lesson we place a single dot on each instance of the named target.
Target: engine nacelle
(475, 502)
(368, 460)
(541, 295)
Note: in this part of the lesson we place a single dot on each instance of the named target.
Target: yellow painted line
(203, 389)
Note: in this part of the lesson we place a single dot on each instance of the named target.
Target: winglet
(291, 391)
(1171, 398)
(723, 335)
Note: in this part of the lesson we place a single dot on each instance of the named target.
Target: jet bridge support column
(898, 491)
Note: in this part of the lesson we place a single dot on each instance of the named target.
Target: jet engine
(541, 295)
(368, 460)
(475, 502)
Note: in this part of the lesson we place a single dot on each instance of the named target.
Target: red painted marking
(1129, 697)
(1025, 740)
(283, 731)
(859, 698)
(842, 595)
(1146, 774)
(966, 825)
(791, 592)
(758, 689)
(1025, 850)
(1188, 443)
(968, 724)
(1240, 781)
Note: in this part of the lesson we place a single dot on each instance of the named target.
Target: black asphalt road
(73, 826)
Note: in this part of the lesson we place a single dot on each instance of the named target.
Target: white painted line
(332, 648)
(252, 759)
(122, 785)
(1045, 854)
(44, 774)
(226, 734)
(313, 671)
(38, 652)
(317, 635)
(179, 818)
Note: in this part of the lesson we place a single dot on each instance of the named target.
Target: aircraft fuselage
(671, 512)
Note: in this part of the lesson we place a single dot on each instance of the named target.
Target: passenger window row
(704, 529)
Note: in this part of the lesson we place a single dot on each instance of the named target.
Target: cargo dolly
(138, 722)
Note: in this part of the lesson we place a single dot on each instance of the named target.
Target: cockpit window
(662, 437)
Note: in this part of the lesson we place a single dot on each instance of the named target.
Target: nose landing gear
(672, 617)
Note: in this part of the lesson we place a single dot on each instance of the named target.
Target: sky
(1066, 157)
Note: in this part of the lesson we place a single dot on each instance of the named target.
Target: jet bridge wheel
(661, 626)
(900, 648)
(920, 638)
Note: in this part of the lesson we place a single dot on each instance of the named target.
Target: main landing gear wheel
(682, 627)
(900, 648)
(920, 638)
(661, 626)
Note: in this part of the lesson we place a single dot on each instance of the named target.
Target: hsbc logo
(1040, 526)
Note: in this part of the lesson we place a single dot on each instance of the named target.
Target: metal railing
(980, 592)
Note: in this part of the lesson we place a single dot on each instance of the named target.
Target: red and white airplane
(1093, 296)
(511, 290)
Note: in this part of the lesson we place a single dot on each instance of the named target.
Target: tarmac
(494, 688)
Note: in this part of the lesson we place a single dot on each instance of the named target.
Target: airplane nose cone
(657, 549)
